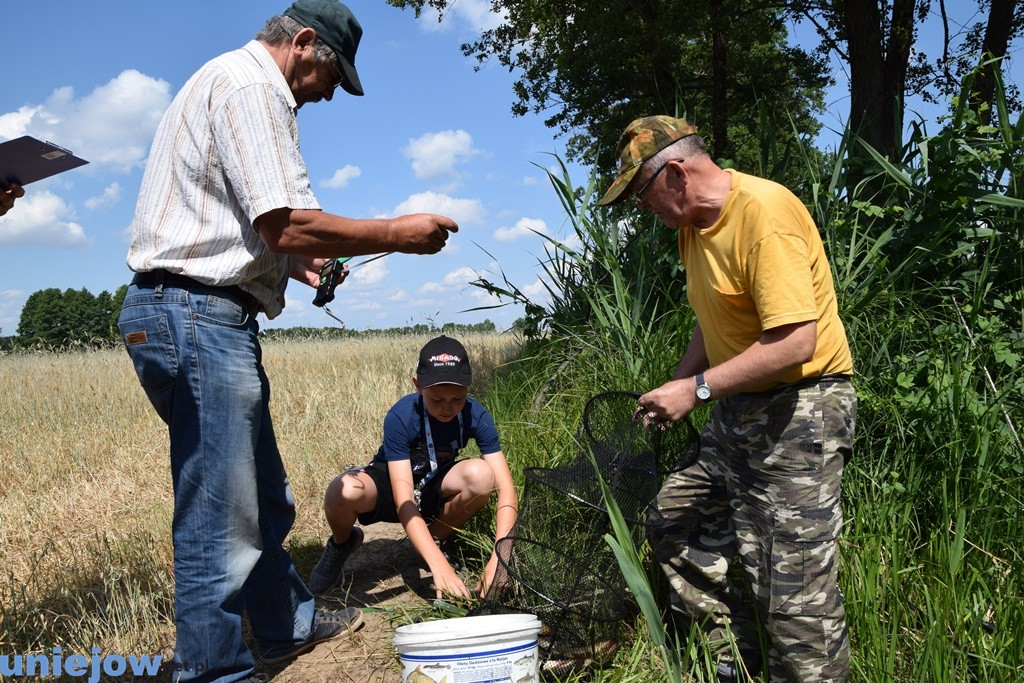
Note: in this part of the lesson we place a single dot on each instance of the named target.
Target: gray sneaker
(329, 625)
(327, 573)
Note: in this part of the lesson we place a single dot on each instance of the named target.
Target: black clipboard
(25, 160)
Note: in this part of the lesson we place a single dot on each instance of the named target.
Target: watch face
(703, 392)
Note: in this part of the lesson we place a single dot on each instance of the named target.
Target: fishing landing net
(555, 563)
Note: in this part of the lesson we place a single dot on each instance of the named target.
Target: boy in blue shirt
(417, 478)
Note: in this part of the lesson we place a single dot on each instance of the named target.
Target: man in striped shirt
(225, 216)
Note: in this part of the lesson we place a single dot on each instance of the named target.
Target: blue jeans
(198, 357)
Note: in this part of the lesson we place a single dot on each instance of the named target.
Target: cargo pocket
(802, 576)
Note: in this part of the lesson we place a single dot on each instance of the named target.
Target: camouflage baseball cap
(641, 140)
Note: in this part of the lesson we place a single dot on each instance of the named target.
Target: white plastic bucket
(489, 649)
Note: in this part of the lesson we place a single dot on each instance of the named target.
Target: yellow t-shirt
(762, 265)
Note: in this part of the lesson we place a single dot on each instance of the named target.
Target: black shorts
(430, 505)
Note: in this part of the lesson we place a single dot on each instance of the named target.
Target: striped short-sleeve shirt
(225, 153)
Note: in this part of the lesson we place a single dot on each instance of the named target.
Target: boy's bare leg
(348, 496)
(470, 484)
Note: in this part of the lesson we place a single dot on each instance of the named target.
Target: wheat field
(85, 490)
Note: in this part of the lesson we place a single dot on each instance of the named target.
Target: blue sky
(429, 135)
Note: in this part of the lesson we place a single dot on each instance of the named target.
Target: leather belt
(160, 276)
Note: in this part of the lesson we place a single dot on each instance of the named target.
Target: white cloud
(530, 180)
(534, 289)
(373, 273)
(462, 211)
(112, 126)
(485, 298)
(459, 277)
(456, 280)
(111, 195)
(295, 307)
(476, 13)
(14, 124)
(573, 242)
(42, 218)
(524, 227)
(436, 154)
(342, 177)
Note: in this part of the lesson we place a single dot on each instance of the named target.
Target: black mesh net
(555, 563)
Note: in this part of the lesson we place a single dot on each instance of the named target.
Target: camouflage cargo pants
(766, 489)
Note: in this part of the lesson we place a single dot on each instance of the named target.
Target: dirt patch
(386, 578)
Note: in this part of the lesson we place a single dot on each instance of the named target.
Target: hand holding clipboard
(8, 196)
(25, 160)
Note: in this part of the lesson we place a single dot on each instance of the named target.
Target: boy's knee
(479, 477)
(344, 490)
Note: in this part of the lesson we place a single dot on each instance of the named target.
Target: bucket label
(514, 665)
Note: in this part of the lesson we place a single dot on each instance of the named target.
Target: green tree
(878, 40)
(80, 313)
(591, 67)
(40, 321)
(115, 312)
(54, 318)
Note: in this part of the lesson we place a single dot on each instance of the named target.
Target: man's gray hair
(683, 148)
(282, 29)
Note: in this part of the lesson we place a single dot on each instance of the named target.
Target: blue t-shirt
(405, 435)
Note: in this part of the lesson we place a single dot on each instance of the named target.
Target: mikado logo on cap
(444, 361)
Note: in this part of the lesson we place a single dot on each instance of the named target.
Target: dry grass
(85, 493)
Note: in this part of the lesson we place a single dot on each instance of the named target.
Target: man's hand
(306, 270)
(670, 402)
(8, 195)
(421, 233)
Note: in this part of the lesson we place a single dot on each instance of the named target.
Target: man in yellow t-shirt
(770, 350)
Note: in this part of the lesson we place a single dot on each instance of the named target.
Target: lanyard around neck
(428, 437)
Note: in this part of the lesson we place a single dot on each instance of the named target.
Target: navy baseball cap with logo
(443, 360)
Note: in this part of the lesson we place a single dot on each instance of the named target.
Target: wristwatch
(703, 390)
